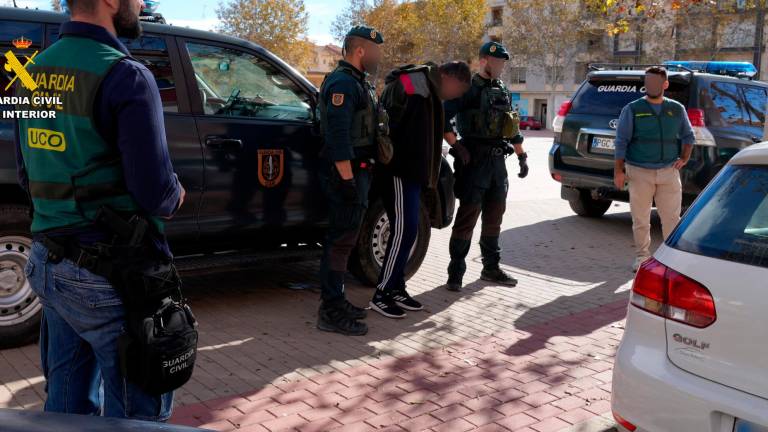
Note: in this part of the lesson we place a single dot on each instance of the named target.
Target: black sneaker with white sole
(386, 306)
(405, 301)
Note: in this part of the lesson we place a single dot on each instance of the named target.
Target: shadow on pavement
(256, 330)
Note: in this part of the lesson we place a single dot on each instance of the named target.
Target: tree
(546, 35)
(419, 31)
(354, 14)
(277, 25)
(56, 5)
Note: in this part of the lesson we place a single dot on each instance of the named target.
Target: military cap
(494, 49)
(366, 32)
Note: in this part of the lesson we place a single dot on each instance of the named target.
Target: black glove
(460, 152)
(348, 189)
(523, 158)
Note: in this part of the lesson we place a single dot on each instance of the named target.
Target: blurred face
(655, 85)
(492, 66)
(452, 88)
(370, 57)
(126, 19)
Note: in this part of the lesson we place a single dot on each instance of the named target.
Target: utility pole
(759, 32)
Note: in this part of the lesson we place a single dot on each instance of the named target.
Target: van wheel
(20, 309)
(368, 256)
(585, 205)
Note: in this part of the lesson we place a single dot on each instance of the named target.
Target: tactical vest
(654, 137)
(72, 171)
(364, 120)
(493, 117)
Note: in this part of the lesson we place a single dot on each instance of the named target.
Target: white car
(694, 356)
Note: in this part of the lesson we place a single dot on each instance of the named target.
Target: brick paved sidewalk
(543, 378)
(534, 357)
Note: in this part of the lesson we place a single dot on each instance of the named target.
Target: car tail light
(624, 423)
(557, 122)
(557, 177)
(703, 136)
(664, 292)
(696, 116)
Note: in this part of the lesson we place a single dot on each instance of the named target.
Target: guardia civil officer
(349, 120)
(489, 131)
(654, 141)
(110, 149)
(412, 98)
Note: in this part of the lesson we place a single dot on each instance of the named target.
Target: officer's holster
(158, 349)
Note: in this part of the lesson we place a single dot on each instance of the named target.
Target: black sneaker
(405, 301)
(386, 306)
(334, 319)
(353, 311)
(498, 276)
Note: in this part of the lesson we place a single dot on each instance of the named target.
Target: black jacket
(411, 98)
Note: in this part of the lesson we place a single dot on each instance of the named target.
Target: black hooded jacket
(411, 98)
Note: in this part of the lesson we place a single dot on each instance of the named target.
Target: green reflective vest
(655, 137)
(72, 171)
(364, 120)
(492, 117)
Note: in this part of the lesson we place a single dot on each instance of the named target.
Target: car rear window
(608, 97)
(729, 221)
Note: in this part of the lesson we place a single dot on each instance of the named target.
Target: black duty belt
(69, 248)
(488, 150)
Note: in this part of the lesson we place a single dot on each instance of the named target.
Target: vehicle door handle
(223, 143)
(756, 139)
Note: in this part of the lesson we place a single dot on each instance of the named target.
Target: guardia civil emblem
(493, 48)
(271, 165)
(373, 34)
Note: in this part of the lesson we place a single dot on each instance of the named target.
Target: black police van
(244, 138)
(727, 114)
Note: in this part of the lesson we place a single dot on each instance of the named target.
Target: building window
(497, 16)
(554, 74)
(517, 75)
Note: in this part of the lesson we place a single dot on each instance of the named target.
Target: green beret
(494, 49)
(365, 32)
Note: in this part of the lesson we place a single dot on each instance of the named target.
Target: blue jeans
(82, 318)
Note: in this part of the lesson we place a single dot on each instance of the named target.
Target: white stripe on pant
(396, 226)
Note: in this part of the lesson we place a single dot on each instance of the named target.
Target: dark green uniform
(349, 119)
(488, 127)
(72, 170)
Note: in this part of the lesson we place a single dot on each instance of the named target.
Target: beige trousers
(646, 186)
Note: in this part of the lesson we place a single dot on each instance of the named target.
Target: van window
(755, 105)
(234, 83)
(723, 105)
(152, 52)
(729, 221)
(20, 32)
(608, 97)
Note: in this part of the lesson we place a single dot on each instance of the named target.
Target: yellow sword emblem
(14, 65)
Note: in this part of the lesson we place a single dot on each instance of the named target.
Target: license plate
(603, 145)
(745, 426)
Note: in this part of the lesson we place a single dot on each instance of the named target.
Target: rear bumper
(571, 180)
(656, 396)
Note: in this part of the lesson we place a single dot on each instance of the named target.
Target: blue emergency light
(730, 68)
(150, 6)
